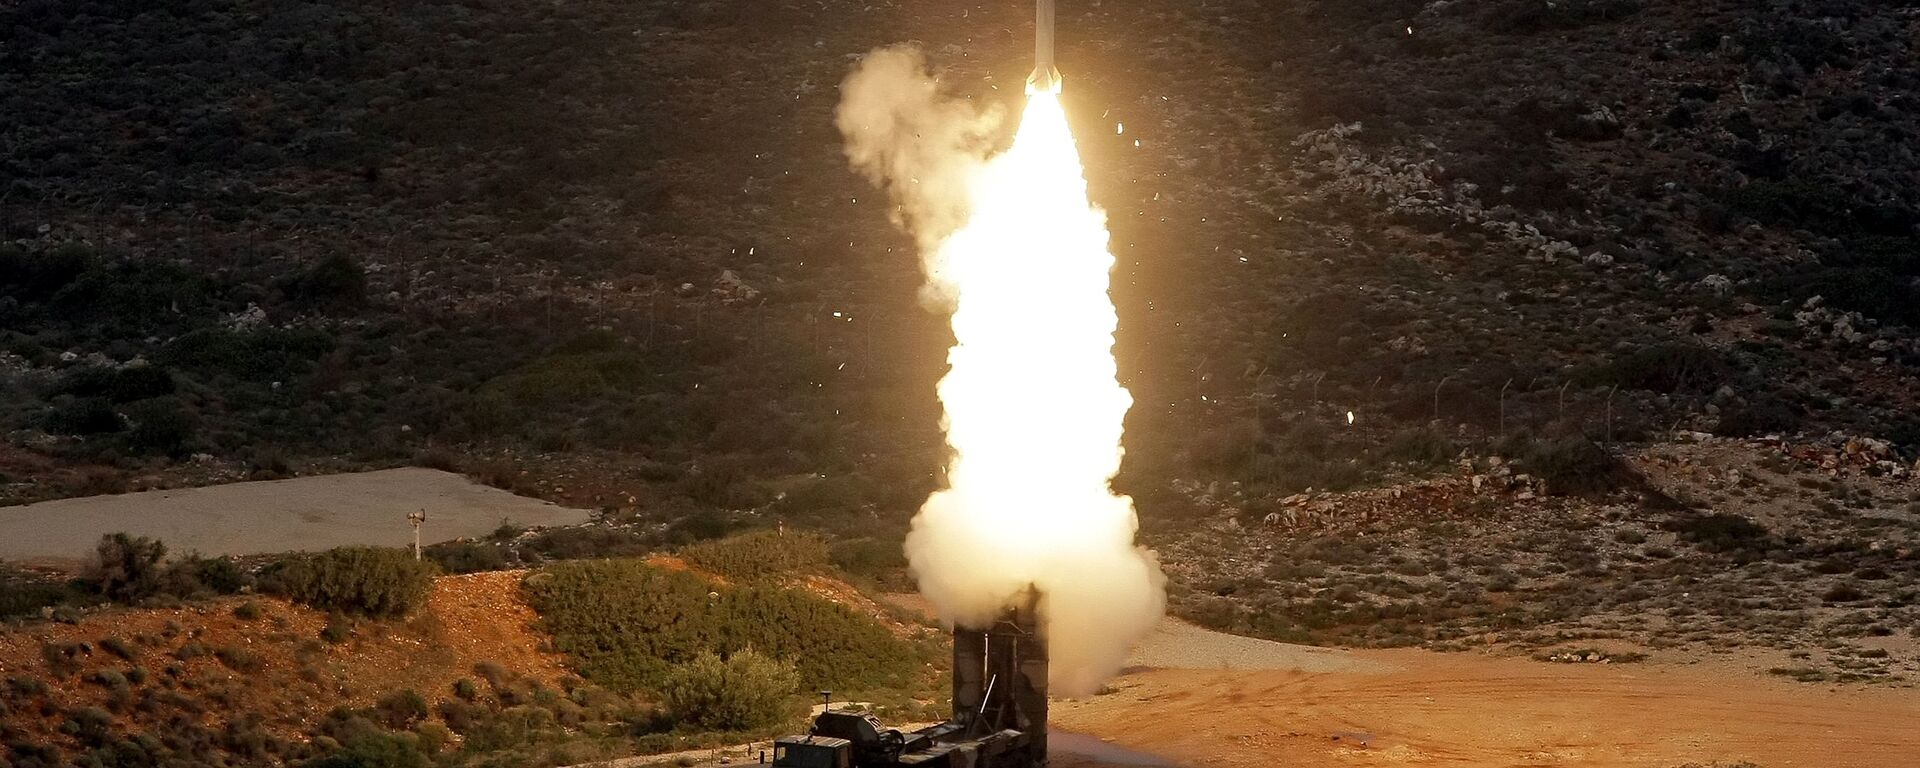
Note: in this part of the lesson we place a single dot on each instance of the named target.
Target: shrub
(119, 385)
(334, 282)
(1576, 466)
(871, 558)
(373, 748)
(374, 581)
(238, 659)
(742, 692)
(586, 541)
(86, 416)
(625, 624)
(163, 425)
(1427, 445)
(196, 576)
(192, 649)
(126, 567)
(247, 611)
(1761, 416)
(22, 597)
(117, 647)
(1722, 533)
(1672, 367)
(467, 556)
(107, 678)
(63, 658)
(401, 709)
(764, 554)
(337, 630)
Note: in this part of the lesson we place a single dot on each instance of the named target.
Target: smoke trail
(1034, 410)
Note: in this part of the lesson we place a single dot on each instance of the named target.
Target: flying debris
(1045, 78)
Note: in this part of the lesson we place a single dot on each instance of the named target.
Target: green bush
(337, 629)
(761, 555)
(367, 746)
(869, 558)
(162, 426)
(85, 416)
(467, 556)
(1676, 367)
(626, 624)
(1576, 466)
(374, 581)
(20, 596)
(1723, 533)
(1425, 445)
(127, 567)
(118, 647)
(585, 541)
(402, 709)
(119, 385)
(741, 692)
(238, 659)
(196, 576)
(334, 282)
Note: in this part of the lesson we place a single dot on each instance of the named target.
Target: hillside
(574, 662)
(609, 254)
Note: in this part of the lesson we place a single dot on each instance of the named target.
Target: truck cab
(812, 752)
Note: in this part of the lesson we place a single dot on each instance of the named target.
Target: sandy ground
(307, 513)
(1195, 697)
(1279, 705)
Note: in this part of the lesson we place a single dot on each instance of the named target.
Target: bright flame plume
(1034, 409)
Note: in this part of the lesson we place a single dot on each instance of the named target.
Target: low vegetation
(742, 691)
(371, 581)
(626, 624)
(761, 555)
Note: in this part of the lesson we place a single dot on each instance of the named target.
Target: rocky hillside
(609, 252)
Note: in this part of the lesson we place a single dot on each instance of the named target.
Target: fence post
(1503, 407)
(1610, 394)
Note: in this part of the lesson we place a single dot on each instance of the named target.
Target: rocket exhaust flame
(1034, 410)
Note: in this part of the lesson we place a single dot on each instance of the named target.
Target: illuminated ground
(1410, 707)
(307, 513)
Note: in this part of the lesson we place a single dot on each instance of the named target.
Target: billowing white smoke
(1034, 409)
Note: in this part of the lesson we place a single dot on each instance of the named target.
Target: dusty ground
(275, 664)
(1202, 698)
(307, 513)
(1311, 708)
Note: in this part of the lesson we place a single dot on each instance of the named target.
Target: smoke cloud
(1033, 408)
(919, 144)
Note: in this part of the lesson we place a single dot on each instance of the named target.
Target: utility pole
(416, 518)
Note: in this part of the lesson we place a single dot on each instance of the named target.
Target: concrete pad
(299, 514)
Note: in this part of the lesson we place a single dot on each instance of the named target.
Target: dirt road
(306, 513)
(1386, 708)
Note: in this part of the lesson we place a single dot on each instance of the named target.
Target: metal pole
(1436, 396)
(1503, 406)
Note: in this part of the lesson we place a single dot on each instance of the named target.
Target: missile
(1045, 78)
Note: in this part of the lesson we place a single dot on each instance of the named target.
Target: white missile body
(1045, 78)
